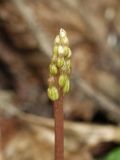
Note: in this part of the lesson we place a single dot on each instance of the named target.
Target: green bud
(53, 93)
(60, 62)
(53, 69)
(55, 50)
(66, 86)
(62, 80)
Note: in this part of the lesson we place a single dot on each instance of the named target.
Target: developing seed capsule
(66, 86)
(53, 93)
(60, 61)
(53, 69)
(62, 80)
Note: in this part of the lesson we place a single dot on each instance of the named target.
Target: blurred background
(92, 108)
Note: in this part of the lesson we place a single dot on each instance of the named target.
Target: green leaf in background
(113, 155)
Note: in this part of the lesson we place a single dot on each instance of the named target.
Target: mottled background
(92, 108)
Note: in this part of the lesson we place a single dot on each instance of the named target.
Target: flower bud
(53, 69)
(66, 86)
(62, 80)
(53, 93)
(65, 41)
(57, 39)
(64, 68)
(60, 62)
(66, 51)
(60, 50)
(69, 53)
(68, 70)
(54, 59)
(55, 50)
(68, 63)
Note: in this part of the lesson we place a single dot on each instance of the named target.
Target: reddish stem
(59, 129)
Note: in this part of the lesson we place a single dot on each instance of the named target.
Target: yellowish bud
(53, 69)
(53, 93)
(57, 39)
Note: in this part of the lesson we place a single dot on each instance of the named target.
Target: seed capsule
(53, 69)
(62, 80)
(53, 93)
(66, 86)
(60, 61)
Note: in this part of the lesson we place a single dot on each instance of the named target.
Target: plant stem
(59, 129)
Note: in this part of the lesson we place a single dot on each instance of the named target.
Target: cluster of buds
(60, 67)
